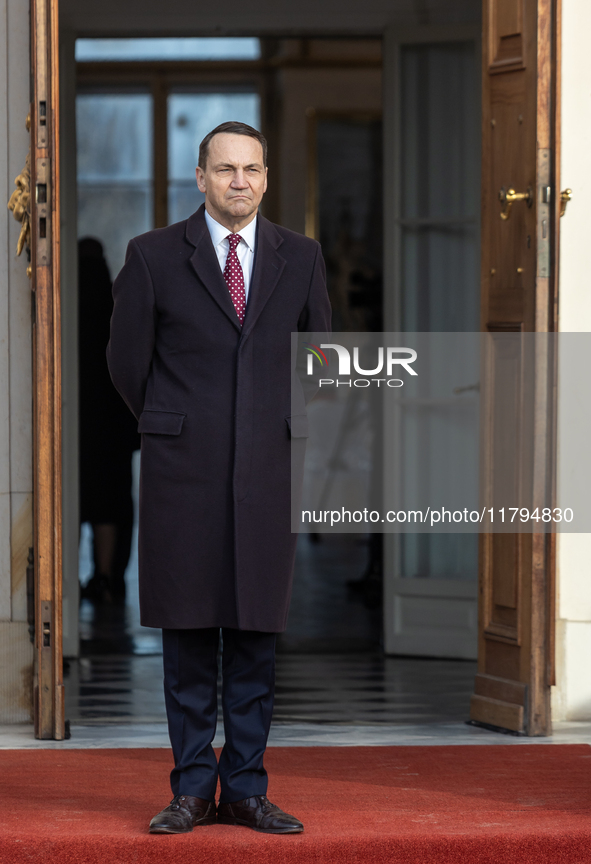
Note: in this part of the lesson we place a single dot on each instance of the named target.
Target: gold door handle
(508, 197)
(565, 197)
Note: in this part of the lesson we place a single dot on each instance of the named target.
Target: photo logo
(388, 359)
(315, 351)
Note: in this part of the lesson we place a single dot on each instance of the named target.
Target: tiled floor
(330, 666)
(330, 688)
(368, 689)
(298, 735)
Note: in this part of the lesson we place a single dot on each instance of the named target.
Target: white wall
(16, 652)
(572, 694)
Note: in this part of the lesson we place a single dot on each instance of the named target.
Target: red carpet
(520, 804)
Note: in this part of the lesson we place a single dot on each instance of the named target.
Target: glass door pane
(190, 117)
(440, 187)
(439, 275)
(115, 174)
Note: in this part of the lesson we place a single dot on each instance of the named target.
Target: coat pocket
(297, 425)
(161, 422)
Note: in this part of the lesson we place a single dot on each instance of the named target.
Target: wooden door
(518, 285)
(45, 271)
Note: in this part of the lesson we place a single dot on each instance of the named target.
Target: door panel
(506, 34)
(433, 618)
(518, 289)
(45, 221)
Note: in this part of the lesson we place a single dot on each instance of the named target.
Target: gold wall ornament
(20, 204)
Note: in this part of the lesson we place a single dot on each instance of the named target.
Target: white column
(572, 694)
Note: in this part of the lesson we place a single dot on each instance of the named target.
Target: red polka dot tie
(235, 277)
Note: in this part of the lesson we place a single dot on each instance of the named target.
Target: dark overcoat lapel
(268, 267)
(205, 263)
(267, 270)
(213, 403)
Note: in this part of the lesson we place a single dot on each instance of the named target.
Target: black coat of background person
(108, 433)
(214, 409)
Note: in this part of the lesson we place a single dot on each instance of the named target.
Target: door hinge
(543, 214)
(42, 226)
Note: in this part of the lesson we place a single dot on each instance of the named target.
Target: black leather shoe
(182, 814)
(259, 814)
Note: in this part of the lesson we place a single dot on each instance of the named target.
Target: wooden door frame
(49, 691)
(47, 441)
(544, 545)
(528, 710)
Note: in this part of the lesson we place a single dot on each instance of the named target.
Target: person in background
(108, 433)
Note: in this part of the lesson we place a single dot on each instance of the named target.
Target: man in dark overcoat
(200, 350)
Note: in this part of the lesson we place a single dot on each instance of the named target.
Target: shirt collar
(219, 232)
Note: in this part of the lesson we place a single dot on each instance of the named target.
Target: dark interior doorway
(140, 117)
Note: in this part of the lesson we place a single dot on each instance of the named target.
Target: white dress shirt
(244, 250)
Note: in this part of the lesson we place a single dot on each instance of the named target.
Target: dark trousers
(190, 690)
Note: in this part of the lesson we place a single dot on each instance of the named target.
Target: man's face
(234, 180)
